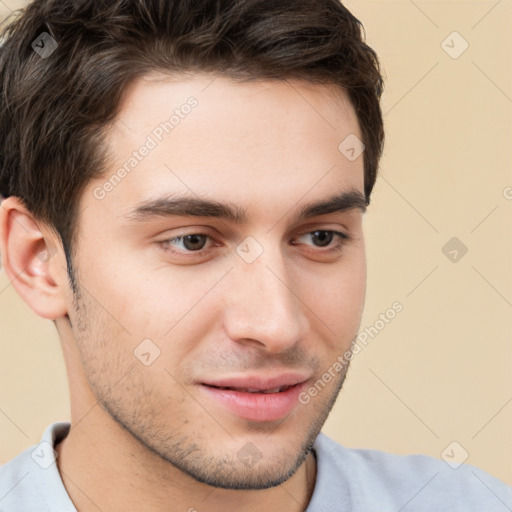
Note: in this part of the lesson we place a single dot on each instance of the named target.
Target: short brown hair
(53, 110)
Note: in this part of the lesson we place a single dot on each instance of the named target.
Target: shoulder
(372, 478)
(18, 482)
(31, 480)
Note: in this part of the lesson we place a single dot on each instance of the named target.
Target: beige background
(440, 371)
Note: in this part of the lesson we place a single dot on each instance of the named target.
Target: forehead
(156, 94)
(250, 143)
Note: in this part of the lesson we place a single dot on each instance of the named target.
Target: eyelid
(343, 238)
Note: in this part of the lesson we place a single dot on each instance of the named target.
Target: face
(184, 316)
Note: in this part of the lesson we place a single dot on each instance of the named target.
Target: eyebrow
(185, 206)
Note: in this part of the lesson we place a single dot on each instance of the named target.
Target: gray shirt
(348, 480)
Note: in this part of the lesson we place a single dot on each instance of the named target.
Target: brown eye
(324, 238)
(193, 242)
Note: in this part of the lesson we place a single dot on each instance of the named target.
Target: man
(184, 189)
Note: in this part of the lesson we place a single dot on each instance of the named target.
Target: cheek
(352, 290)
(141, 292)
(148, 298)
(336, 295)
(173, 310)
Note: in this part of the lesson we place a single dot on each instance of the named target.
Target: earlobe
(30, 260)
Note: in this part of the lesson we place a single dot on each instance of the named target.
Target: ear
(31, 260)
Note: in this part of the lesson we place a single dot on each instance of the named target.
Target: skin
(146, 437)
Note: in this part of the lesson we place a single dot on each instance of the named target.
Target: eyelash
(165, 244)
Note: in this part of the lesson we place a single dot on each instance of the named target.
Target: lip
(258, 381)
(256, 406)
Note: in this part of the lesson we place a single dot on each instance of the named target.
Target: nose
(263, 305)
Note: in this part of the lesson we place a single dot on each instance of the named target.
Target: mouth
(279, 389)
(256, 399)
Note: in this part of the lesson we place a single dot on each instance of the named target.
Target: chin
(259, 476)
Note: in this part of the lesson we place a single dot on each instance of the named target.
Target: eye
(184, 244)
(193, 242)
(324, 237)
